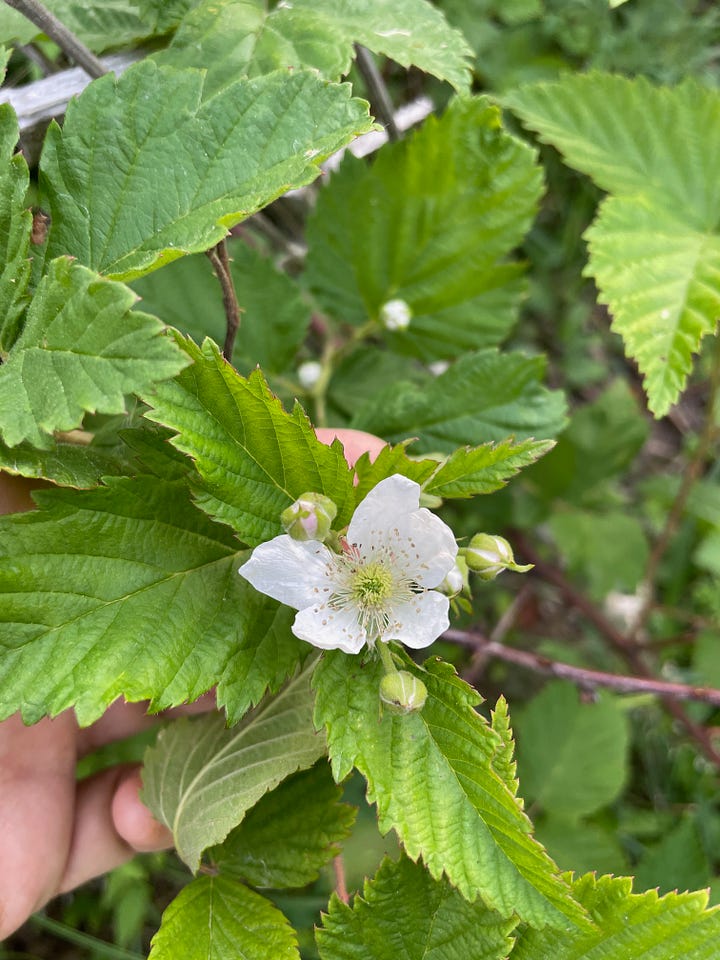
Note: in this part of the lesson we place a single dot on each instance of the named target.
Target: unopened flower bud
(309, 373)
(310, 517)
(488, 555)
(401, 692)
(395, 315)
(456, 579)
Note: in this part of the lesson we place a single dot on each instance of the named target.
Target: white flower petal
(292, 571)
(432, 548)
(388, 502)
(420, 621)
(330, 629)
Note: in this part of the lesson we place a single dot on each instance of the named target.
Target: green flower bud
(456, 580)
(310, 517)
(488, 555)
(401, 692)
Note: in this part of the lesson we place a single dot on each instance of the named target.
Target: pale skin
(57, 833)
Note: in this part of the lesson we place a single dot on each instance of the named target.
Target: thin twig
(622, 645)
(39, 58)
(340, 883)
(218, 256)
(57, 31)
(380, 101)
(582, 677)
(506, 622)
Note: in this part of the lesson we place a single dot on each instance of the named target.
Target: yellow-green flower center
(372, 584)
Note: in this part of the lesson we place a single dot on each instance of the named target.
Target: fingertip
(355, 442)
(133, 821)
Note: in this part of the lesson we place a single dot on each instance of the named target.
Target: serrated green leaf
(274, 315)
(201, 778)
(507, 399)
(404, 914)
(430, 223)
(113, 205)
(254, 459)
(629, 926)
(654, 248)
(433, 777)
(504, 762)
(82, 349)
(129, 590)
(65, 463)
(661, 279)
(476, 470)
(289, 834)
(217, 918)
(235, 38)
(15, 225)
(572, 755)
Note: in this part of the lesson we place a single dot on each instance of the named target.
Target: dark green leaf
(289, 834)
(254, 459)
(15, 227)
(403, 914)
(115, 207)
(433, 776)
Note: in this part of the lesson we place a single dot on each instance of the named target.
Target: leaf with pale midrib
(201, 778)
(15, 226)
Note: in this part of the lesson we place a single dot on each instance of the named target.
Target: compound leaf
(289, 834)
(82, 349)
(253, 457)
(112, 202)
(507, 399)
(129, 590)
(654, 248)
(235, 38)
(431, 223)
(629, 925)
(433, 777)
(215, 918)
(470, 471)
(201, 778)
(404, 914)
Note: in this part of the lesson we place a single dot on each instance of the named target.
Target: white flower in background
(395, 315)
(309, 373)
(379, 588)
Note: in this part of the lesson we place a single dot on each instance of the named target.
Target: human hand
(58, 833)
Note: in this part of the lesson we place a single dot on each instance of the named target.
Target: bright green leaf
(475, 470)
(403, 914)
(390, 460)
(433, 777)
(254, 458)
(112, 202)
(507, 399)
(430, 223)
(129, 590)
(572, 755)
(65, 463)
(82, 349)
(201, 778)
(654, 248)
(629, 926)
(235, 38)
(289, 834)
(217, 918)
(274, 316)
(661, 279)
(15, 227)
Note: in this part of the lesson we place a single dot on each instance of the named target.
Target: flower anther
(379, 587)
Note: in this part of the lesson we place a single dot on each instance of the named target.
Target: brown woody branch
(48, 23)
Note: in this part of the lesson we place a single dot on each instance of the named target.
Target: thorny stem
(57, 31)
(708, 436)
(218, 256)
(586, 679)
(380, 101)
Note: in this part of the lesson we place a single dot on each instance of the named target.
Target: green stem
(386, 657)
(80, 939)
